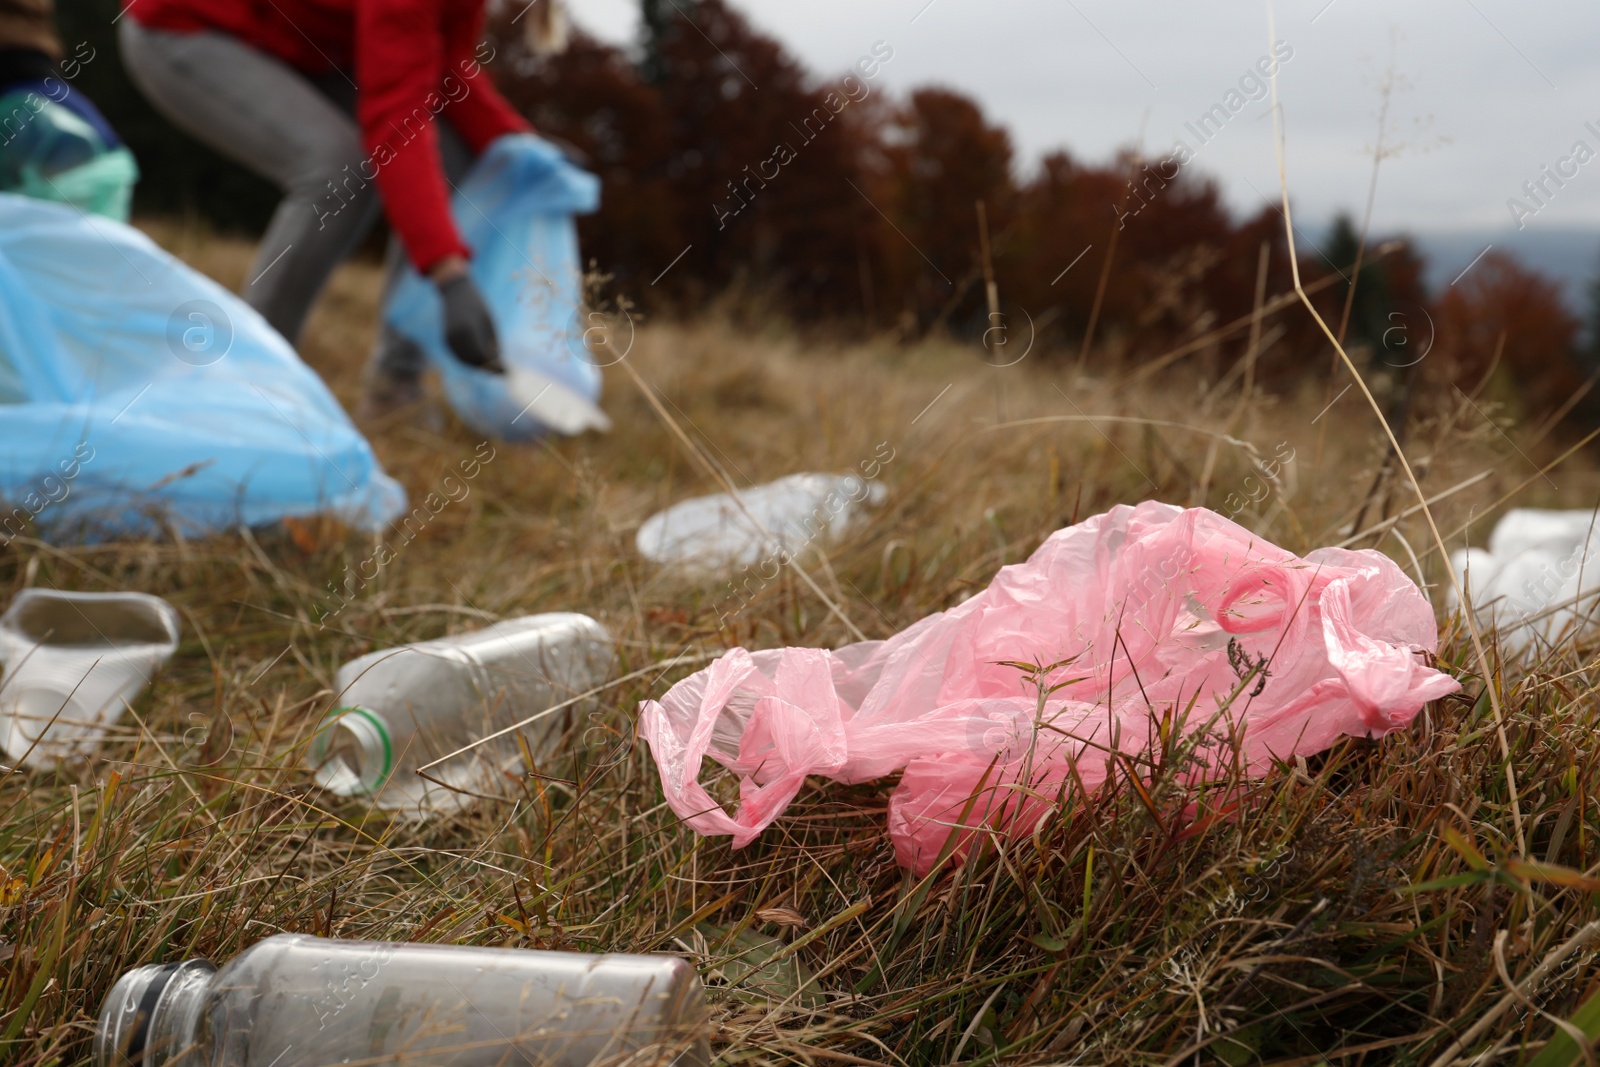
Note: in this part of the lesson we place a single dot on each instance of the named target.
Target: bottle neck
(353, 753)
(151, 1016)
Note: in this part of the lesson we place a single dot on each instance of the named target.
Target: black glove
(468, 326)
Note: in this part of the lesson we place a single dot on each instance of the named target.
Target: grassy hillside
(1367, 906)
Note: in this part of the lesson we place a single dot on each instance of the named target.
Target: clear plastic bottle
(73, 661)
(400, 709)
(299, 1001)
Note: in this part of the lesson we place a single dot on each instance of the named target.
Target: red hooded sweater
(411, 60)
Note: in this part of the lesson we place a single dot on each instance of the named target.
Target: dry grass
(1365, 907)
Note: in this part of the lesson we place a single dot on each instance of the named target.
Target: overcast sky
(1491, 90)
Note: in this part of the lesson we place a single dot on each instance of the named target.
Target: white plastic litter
(73, 661)
(713, 532)
(1533, 581)
(553, 404)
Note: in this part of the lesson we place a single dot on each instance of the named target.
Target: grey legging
(296, 130)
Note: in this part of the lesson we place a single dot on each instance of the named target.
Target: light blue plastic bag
(515, 210)
(138, 395)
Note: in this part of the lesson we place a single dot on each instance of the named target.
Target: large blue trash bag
(515, 211)
(139, 396)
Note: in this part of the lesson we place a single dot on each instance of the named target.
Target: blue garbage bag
(515, 210)
(137, 395)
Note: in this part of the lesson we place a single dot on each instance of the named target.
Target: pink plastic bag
(1147, 612)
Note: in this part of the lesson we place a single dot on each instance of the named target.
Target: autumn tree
(1503, 312)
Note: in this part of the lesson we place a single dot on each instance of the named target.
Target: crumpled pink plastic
(1152, 614)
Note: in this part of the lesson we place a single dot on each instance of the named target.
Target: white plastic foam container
(299, 1001)
(1537, 578)
(72, 662)
(399, 709)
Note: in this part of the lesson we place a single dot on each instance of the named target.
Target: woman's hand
(468, 325)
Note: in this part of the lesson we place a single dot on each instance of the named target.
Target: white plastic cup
(72, 663)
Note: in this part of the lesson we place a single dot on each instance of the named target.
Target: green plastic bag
(49, 153)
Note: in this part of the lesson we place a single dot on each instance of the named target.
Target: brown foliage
(739, 157)
(941, 159)
(836, 203)
(845, 205)
(1502, 308)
